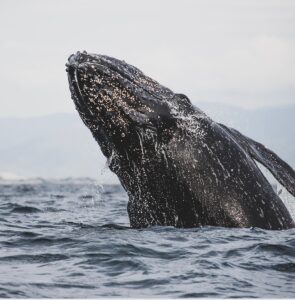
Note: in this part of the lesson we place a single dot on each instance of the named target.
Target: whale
(179, 167)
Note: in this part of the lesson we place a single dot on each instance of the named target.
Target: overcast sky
(235, 52)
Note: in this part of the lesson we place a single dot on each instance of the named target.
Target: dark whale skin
(178, 166)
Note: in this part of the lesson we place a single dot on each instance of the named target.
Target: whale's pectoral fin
(280, 169)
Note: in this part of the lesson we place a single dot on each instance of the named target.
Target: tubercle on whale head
(115, 99)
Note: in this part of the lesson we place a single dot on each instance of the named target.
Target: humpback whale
(179, 167)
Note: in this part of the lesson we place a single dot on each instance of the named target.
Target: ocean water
(70, 238)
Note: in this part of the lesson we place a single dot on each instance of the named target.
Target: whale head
(123, 108)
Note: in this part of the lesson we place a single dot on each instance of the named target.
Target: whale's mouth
(71, 68)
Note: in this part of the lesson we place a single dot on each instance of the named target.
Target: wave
(10, 178)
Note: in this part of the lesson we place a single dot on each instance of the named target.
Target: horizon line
(273, 106)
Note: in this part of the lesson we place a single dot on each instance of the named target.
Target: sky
(233, 52)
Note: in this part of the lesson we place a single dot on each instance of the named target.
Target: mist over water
(71, 238)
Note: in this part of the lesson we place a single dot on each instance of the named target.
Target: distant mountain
(60, 145)
(273, 126)
(54, 146)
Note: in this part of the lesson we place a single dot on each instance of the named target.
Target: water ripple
(38, 258)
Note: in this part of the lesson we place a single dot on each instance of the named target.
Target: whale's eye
(183, 100)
